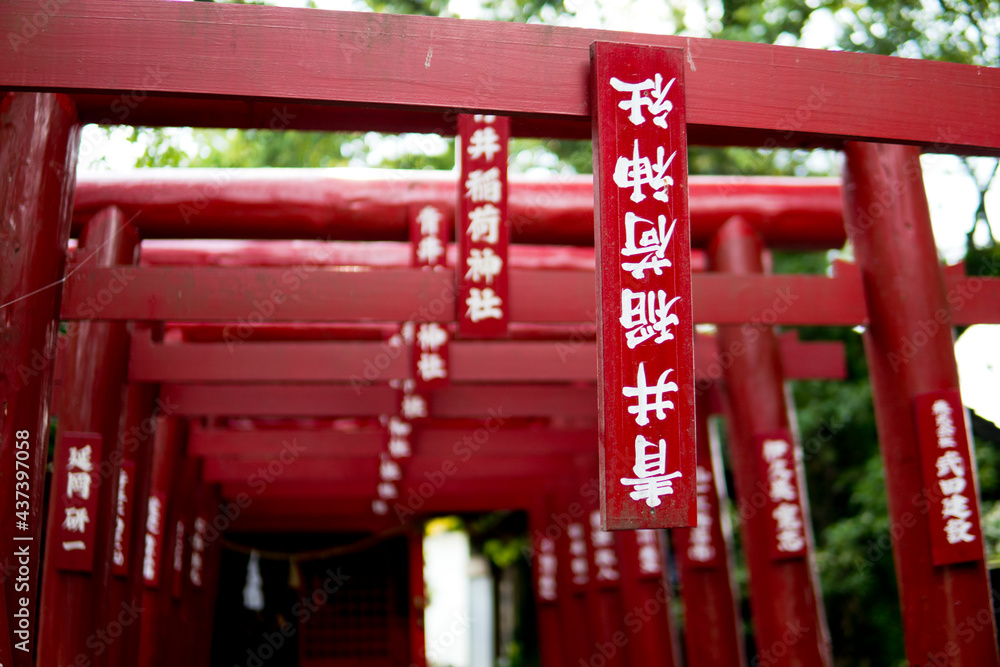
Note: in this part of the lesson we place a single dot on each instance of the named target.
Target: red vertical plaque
(414, 405)
(704, 545)
(428, 236)
(198, 544)
(604, 552)
(649, 556)
(779, 463)
(548, 563)
(483, 231)
(701, 545)
(178, 559)
(431, 362)
(123, 519)
(579, 563)
(75, 481)
(949, 478)
(155, 517)
(645, 330)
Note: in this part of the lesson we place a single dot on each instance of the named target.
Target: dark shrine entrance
(343, 606)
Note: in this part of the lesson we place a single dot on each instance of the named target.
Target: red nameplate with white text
(645, 329)
(949, 479)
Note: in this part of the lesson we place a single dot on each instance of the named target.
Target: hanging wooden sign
(483, 231)
(645, 329)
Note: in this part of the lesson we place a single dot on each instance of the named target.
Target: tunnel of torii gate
(237, 355)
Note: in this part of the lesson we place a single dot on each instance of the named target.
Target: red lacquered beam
(793, 213)
(246, 295)
(429, 441)
(447, 65)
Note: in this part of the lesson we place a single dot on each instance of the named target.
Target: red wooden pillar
(75, 617)
(909, 345)
(38, 148)
(789, 623)
(647, 619)
(545, 567)
(183, 611)
(572, 576)
(203, 572)
(713, 636)
(604, 600)
(168, 450)
(136, 438)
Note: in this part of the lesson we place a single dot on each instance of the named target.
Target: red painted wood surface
(889, 223)
(784, 594)
(208, 591)
(168, 456)
(443, 64)
(432, 440)
(73, 515)
(545, 566)
(91, 401)
(360, 363)
(646, 600)
(242, 295)
(949, 477)
(293, 253)
(793, 213)
(186, 605)
(645, 371)
(482, 231)
(125, 594)
(575, 622)
(38, 142)
(418, 469)
(713, 629)
(356, 365)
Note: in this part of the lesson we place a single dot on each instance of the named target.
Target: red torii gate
(546, 94)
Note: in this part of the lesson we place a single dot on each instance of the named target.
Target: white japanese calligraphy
(76, 519)
(430, 250)
(644, 392)
(651, 480)
(484, 265)
(659, 105)
(483, 304)
(640, 171)
(431, 336)
(80, 459)
(429, 220)
(78, 484)
(645, 314)
(484, 224)
(653, 239)
(484, 142)
(484, 186)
